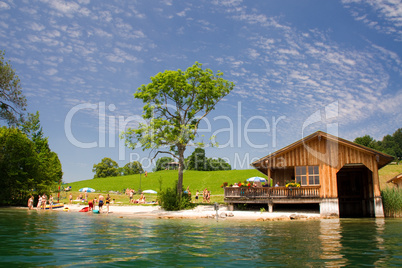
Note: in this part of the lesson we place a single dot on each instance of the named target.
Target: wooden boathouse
(338, 175)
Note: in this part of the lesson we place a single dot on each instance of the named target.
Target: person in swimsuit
(101, 200)
(44, 201)
(51, 202)
(107, 203)
(90, 205)
(71, 199)
(30, 202)
(39, 202)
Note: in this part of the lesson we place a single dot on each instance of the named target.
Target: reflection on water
(41, 238)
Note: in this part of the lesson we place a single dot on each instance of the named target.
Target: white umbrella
(255, 179)
(87, 189)
(150, 192)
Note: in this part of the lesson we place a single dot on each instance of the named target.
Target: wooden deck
(309, 194)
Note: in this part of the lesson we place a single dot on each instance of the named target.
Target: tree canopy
(106, 168)
(390, 144)
(174, 104)
(26, 166)
(134, 167)
(198, 161)
(162, 163)
(12, 101)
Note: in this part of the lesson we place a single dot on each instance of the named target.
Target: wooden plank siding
(329, 154)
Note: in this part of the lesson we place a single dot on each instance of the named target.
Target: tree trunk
(181, 168)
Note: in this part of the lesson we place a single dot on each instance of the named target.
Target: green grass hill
(196, 180)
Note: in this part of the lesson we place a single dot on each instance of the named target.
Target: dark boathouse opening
(355, 191)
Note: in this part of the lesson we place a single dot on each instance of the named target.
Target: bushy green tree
(367, 141)
(12, 101)
(106, 168)
(174, 104)
(197, 160)
(162, 163)
(170, 200)
(134, 167)
(390, 144)
(50, 164)
(20, 167)
(217, 164)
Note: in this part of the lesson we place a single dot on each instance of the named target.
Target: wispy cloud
(384, 15)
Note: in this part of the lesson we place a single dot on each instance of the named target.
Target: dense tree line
(390, 144)
(196, 161)
(27, 164)
(109, 168)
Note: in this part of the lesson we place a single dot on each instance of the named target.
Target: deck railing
(272, 192)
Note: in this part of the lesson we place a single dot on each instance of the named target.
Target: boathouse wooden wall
(330, 156)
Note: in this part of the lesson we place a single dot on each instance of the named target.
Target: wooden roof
(399, 176)
(383, 159)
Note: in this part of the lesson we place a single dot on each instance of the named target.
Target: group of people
(130, 193)
(42, 202)
(101, 200)
(206, 196)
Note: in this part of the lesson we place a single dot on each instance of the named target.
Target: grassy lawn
(387, 173)
(196, 180)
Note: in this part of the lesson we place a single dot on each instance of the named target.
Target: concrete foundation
(378, 207)
(329, 207)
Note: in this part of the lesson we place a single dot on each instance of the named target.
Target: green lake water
(60, 239)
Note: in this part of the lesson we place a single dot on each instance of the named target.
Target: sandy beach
(196, 213)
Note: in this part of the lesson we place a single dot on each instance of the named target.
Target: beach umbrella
(150, 192)
(255, 179)
(87, 189)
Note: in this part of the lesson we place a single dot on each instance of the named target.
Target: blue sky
(298, 67)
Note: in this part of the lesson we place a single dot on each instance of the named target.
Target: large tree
(197, 160)
(106, 168)
(12, 102)
(174, 104)
(134, 167)
(51, 169)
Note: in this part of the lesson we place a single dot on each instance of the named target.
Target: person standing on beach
(101, 200)
(107, 203)
(44, 201)
(71, 199)
(30, 202)
(131, 196)
(51, 202)
(90, 205)
(39, 202)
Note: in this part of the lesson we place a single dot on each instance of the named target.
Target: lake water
(59, 239)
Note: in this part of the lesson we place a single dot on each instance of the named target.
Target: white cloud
(4, 6)
(382, 15)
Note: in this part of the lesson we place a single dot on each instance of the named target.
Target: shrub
(392, 201)
(169, 200)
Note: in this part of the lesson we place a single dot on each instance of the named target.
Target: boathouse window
(307, 175)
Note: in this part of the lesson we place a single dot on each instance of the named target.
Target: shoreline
(199, 212)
